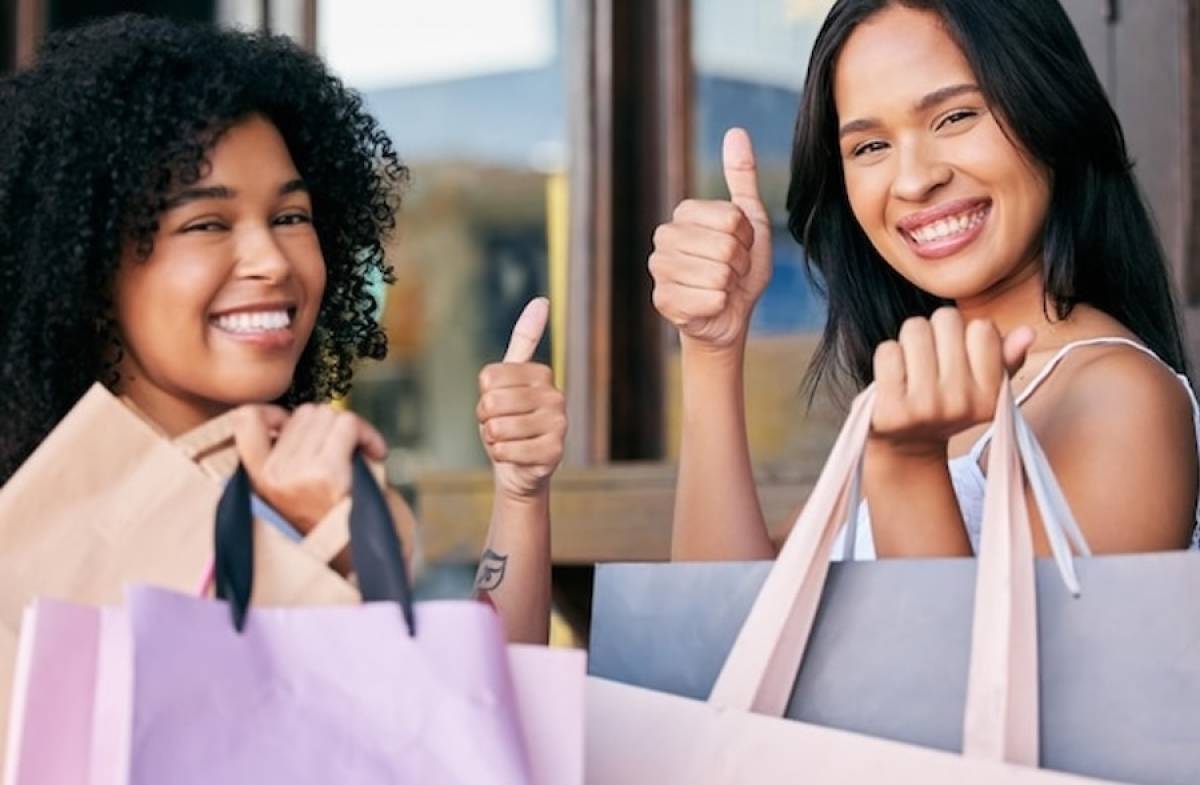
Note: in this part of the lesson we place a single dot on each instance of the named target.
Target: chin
(253, 393)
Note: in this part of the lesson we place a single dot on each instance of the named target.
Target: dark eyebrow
(188, 195)
(944, 94)
(926, 103)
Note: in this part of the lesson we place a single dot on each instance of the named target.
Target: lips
(947, 228)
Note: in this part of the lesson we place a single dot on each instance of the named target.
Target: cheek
(159, 295)
(867, 193)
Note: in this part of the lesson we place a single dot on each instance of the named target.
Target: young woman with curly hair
(195, 217)
(962, 190)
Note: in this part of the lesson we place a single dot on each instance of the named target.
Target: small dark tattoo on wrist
(491, 570)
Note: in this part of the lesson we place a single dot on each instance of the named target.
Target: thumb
(254, 430)
(741, 175)
(527, 332)
(1016, 346)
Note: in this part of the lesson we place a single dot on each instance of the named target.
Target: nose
(260, 257)
(920, 173)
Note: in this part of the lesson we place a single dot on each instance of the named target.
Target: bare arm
(717, 510)
(514, 570)
(523, 424)
(710, 265)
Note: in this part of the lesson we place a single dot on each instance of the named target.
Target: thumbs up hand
(522, 415)
(712, 262)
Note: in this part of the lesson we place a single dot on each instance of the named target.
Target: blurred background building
(546, 139)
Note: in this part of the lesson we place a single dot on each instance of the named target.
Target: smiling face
(220, 312)
(945, 197)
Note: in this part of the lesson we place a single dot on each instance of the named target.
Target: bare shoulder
(1119, 387)
(1119, 432)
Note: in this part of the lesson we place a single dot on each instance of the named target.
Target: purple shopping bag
(321, 695)
(74, 699)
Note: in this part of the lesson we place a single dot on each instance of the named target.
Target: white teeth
(947, 227)
(253, 322)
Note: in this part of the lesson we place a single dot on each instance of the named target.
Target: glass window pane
(749, 62)
(472, 94)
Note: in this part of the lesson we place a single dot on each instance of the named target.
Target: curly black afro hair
(91, 138)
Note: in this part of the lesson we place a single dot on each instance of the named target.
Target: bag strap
(374, 545)
(760, 669)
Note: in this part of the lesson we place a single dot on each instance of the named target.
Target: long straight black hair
(1099, 245)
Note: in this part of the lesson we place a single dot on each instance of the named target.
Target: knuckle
(982, 331)
(946, 315)
(727, 247)
(925, 409)
(957, 405)
(914, 326)
(731, 218)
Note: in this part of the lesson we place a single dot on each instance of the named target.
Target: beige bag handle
(1001, 710)
(211, 445)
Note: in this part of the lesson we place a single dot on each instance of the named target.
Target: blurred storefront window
(472, 94)
(749, 61)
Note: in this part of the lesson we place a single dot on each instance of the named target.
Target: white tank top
(969, 480)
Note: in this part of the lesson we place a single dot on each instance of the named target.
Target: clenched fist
(712, 262)
(941, 377)
(522, 415)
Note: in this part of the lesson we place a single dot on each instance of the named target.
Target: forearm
(717, 510)
(914, 510)
(514, 571)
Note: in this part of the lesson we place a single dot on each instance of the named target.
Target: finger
(1016, 347)
(920, 362)
(724, 218)
(506, 403)
(520, 427)
(527, 332)
(954, 371)
(682, 304)
(498, 376)
(984, 355)
(253, 433)
(349, 433)
(673, 241)
(314, 430)
(889, 369)
(543, 450)
(741, 174)
(694, 272)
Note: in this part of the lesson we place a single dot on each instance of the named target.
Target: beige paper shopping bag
(106, 500)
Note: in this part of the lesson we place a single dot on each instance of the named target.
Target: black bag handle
(374, 545)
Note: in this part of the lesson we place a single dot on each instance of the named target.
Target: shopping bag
(169, 690)
(733, 637)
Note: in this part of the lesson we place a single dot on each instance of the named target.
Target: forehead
(252, 146)
(893, 59)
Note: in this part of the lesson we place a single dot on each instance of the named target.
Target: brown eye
(204, 226)
(956, 117)
(292, 219)
(867, 148)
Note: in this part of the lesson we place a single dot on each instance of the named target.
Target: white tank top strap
(976, 451)
(1054, 361)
